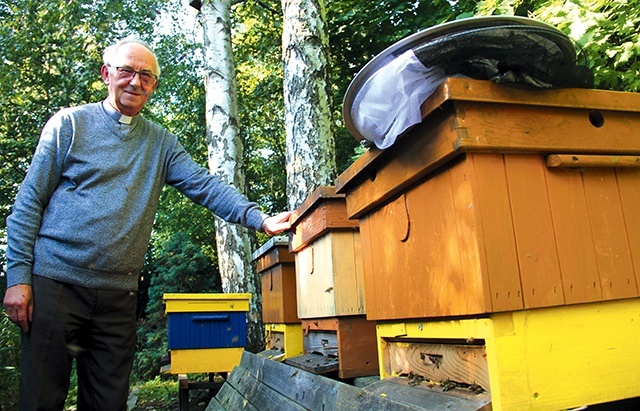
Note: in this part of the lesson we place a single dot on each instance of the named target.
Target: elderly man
(80, 227)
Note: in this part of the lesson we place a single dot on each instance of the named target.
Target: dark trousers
(97, 327)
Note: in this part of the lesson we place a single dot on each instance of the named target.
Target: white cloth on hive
(389, 101)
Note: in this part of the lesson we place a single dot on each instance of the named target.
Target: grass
(162, 395)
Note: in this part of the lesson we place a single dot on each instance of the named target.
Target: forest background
(51, 58)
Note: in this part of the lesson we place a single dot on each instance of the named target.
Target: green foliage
(158, 394)
(9, 362)
(51, 59)
(257, 32)
(358, 31)
(608, 33)
(180, 266)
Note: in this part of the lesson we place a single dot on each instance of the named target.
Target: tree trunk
(234, 243)
(308, 119)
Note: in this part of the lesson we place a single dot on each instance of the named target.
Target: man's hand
(18, 303)
(278, 223)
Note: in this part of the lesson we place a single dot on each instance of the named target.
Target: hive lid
(384, 98)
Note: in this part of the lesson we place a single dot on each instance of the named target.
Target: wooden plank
(490, 92)
(214, 405)
(533, 229)
(629, 185)
(484, 93)
(585, 160)
(273, 252)
(497, 230)
(429, 145)
(315, 392)
(347, 290)
(574, 240)
(385, 262)
(367, 234)
(230, 399)
(462, 363)
(431, 278)
(473, 264)
(617, 277)
(314, 363)
(315, 279)
(279, 298)
(429, 397)
(357, 347)
(308, 390)
(321, 211)
(261, 396)
(563, 357)
(552, 130)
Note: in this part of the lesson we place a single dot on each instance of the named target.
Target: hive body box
(329, 281)
(507, 206)
(277, 269)
(502, 199)
(207, 332)
(326, 244)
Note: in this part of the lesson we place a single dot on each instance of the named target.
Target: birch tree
(225, 149)
(308, 121)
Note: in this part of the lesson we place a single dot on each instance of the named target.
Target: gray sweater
(85, 210)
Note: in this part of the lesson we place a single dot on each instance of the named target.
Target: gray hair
(110, 51)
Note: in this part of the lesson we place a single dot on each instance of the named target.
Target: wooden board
(463, 363)
(356, 343)
(260, 384)
(546, 358)
(279, 297)
(329, 276)
(314, 363)
(466, 115)
(321, 211)
(502, 232)
(276, 253)
(430, 397)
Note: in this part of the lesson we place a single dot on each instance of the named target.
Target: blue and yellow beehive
(207, 332)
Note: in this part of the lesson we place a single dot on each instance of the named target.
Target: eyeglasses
(127, 73)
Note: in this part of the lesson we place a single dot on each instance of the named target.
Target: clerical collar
(116, 115)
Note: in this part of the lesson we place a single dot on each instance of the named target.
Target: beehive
(328, 258)
(501, 199)
(207, 332)
(501, 243)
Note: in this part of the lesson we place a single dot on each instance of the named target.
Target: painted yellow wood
(291, 338)
(547, 358)
(205, 360)
(206, 302)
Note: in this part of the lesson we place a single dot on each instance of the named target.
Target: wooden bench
(262, 384)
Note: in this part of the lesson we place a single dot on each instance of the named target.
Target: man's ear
(104, 71)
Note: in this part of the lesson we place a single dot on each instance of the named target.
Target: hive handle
(591, 160)
(210, 317)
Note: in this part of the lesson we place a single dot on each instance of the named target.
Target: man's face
(129, 94)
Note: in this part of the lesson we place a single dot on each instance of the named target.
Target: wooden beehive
(277, 269)
(207, 331)
(502, 199)
(328, 258)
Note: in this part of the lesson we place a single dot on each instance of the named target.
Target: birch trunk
(308, 119)
(234, 243)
